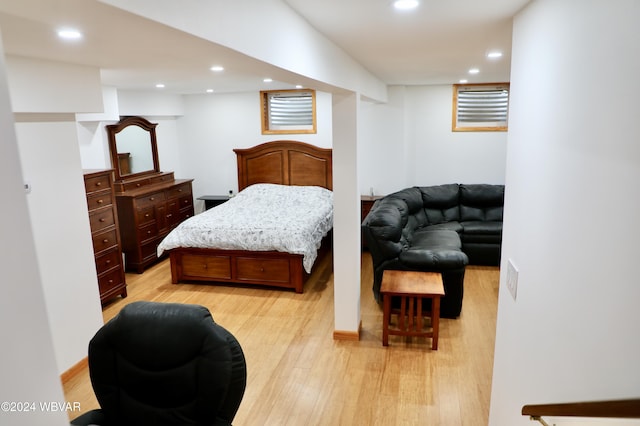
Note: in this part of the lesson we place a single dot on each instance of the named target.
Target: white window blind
(291, 111)
(481, 107)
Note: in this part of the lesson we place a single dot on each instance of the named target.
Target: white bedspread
(262, 217)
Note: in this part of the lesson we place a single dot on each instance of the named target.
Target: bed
(278, 163)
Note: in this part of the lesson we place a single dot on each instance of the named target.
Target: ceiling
(435, 44)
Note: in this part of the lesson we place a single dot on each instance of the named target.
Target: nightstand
(213, 200)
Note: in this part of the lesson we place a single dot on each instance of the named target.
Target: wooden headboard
(285, 163)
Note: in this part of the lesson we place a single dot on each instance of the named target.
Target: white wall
(571, 212)
(50, 160)
(408, 141)
(213, 125)
(60, 223)
(38, 86)
(27, 365)
(442, 156)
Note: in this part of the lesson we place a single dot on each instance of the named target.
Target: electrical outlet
(512, 278)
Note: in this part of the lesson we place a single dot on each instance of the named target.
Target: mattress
(262, 217)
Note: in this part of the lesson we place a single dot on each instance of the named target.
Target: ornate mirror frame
(120, 160)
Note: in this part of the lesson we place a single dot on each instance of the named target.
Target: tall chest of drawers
(103, 219)
(148, 210)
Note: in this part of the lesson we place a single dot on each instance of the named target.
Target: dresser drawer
(98, 183)
(268, 270)
(163, 178)
(185, 202)
(108, 261)
(101, 219)
(104, 241)
(147, 232)
(146, 215)
(99, 200)
(111, 280)
(149, 250)
(150, 200)
(180, 191)
(139, 183)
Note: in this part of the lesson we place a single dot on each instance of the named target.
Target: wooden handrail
(622, 409)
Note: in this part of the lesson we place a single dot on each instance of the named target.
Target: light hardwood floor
(298, 375)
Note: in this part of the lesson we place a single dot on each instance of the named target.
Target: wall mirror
(134, 148)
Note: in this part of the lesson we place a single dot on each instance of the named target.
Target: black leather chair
(165, 364)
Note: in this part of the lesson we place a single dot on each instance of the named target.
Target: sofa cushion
(481, 202)
(432, 249)
(441, 203)
(449, 226)
(480, 227)
(429, 238)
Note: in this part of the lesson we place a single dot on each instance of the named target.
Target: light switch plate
(512, 278)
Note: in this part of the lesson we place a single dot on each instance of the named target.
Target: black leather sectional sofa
(438, 229)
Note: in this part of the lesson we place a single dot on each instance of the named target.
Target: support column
(346, 219)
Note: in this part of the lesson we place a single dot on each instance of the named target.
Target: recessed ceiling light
(217, 68)
(464, 80)
(474, 71)
(494, 55)
(69, 34)
(298, 86)
(405, 4)
(160, 86)
(209, 90)
(268, 80)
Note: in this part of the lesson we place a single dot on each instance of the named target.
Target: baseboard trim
(347, 335)
(74, 370)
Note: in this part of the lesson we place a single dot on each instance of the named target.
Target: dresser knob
(102, 219)
(107, 262)
(152, 199)
(105, 241)
(99, 184)
(110, 281)
(100, 201)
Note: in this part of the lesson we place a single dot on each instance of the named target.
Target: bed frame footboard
(269, 268)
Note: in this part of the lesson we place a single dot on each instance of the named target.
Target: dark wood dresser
(103, 219)
(148, 208)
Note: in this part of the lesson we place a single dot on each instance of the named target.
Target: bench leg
(386, 317)
(435, 321)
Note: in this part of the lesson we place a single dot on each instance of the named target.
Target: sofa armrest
(383, 230)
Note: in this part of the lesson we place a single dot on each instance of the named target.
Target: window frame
(268, 127)
(455, 127)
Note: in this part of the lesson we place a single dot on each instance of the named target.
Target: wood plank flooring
(298, 375)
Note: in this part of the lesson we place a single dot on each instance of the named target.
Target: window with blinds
(288, 111)
(480, 107)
